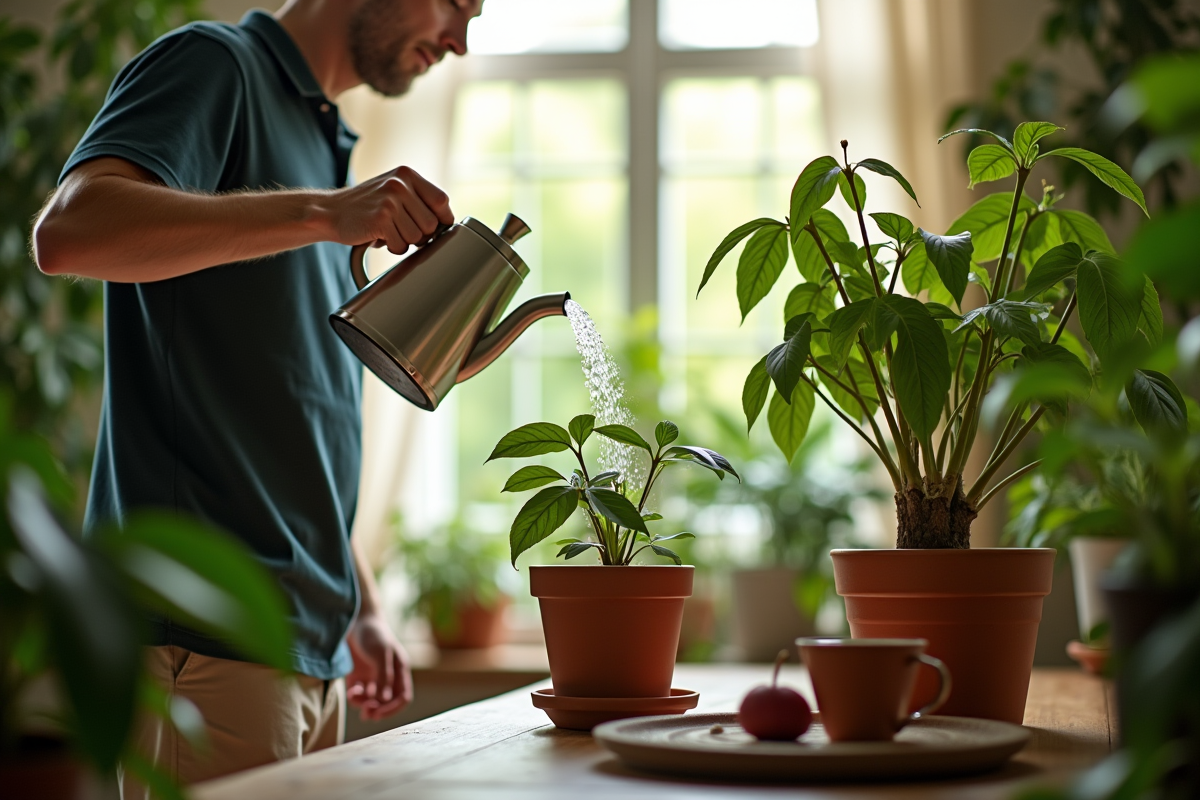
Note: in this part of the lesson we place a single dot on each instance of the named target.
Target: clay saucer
(585, 713)
(1092, 659)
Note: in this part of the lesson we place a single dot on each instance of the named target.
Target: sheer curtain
(888, 69)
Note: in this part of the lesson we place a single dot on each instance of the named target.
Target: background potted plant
(453, 572)
(612, 630)
(927, 371)
(71, 616)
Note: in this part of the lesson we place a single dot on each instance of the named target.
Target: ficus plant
(857, 337)
(618, 526)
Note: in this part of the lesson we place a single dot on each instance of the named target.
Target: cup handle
(943, 690)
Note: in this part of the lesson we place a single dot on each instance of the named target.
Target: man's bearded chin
(375, 55)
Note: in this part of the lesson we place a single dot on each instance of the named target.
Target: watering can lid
(502, 247)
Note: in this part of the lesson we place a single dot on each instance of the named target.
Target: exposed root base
(932, 517)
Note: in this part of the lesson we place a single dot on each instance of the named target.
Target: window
(628, 135)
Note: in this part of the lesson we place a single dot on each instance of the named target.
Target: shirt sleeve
(175, 110)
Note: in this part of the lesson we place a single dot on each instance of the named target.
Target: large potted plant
(933, 373)
(454, 577)
(612, 628)
(71, 617)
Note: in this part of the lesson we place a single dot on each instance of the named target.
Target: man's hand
(396, 209)
(380, 683)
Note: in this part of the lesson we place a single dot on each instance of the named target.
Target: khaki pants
(253, 716)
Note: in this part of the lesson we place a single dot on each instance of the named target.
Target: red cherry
(775, 713)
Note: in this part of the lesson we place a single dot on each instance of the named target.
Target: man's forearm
(118, 229)
(368, 589)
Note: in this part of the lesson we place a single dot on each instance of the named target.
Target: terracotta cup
(863, 685)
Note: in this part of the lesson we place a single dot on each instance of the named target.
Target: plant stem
(966, 432)
(1016, 259)
(1018, 193)
(995, 463)
(899, 261)
(983, 501)
(1062, 323)
(812, 229)
(862, 227)
(874, 425)
(896, 479)
(857, 394)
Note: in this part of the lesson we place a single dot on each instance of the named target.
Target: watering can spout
(508, 329)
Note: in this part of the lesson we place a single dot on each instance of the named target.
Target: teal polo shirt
(227, 396)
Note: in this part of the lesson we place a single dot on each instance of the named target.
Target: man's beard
(375, 46)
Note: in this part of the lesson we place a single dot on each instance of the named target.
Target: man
(210, 195)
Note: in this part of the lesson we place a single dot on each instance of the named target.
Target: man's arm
(115, 221)
(381, 681)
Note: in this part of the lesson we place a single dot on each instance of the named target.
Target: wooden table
(505, 749)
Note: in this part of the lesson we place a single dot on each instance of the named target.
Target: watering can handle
(359, 251)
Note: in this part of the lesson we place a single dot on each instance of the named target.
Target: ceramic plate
(714, 745)
(585, 713)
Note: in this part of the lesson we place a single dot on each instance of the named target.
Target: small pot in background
(474, 625)
(766, 617)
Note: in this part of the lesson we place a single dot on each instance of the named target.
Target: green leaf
(666, 553)
(531, 477)
(987, 220)
(616, 508)
(989, 162)
(977, 131)
(789, 421)
(1058, 357)
(1076, 226)
(680, 535)
(888, 171)
(89, 624)
(893, 226)
(785, 363)
(1165, 250)
(652, 516)
(939, 311)
(606, 478)
(980, 276)
(760, 266)
(1156, 403)
(1109, 173)
(574, 549)
(710, 459)
(808, 256)
(534, 439)
(920, 366)
(813, 189)
(1151, 322)
(625, 435)
(859, 186)
(545, 513)
(854, 374)
(1109, 307)
(918, 271)
(880, 326)
(1010, 318)
(809, 298)
(754, 393)
(1027, 135)
(844, 325)
(665, 432)
(1058, 264)
(951, 256)
(581, 426)
(730, 242)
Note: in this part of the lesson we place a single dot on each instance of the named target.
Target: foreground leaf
(1027, 135)
(545, 513)
(808, 256)
(574, 549)
(534, 439)
(951, 256)
(921, 364)
(813, 189)
(761, 264)
(1157, 403)
(615, 508)
(888, 171)
(1058, 357)
(531, 477)
(665, 432)
(987, 221)
(989, 162)
(789, 421)
(581, 427)
(844, 325)
(1109, 173)
(1076, 226)
(785, 363)
(625, 435)
(754, 393)
(1058, 264)
(978, 132)
(1010, 319)
(1151, 322)
(859, 187)
(1109, 307)
(894, 226)
(730, 242)
(666, 553)
(809, 298)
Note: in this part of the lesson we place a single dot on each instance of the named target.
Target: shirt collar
(281, 45)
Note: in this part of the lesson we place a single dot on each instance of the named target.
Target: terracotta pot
(766, 618)
(979, 609)
(45, 768)
(611, 631)
(1091, 556)
(475, 626)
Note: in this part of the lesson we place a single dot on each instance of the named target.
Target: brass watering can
(433, 319)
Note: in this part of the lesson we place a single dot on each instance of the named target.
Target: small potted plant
(612, 628)
(453, 572)
(933, 373)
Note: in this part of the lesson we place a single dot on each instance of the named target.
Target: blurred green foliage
(51, 86)
(1117, 36)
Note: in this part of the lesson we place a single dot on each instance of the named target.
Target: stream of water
(607, 392)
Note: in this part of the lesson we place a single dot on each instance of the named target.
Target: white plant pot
(765, 617)
(1091, 556)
